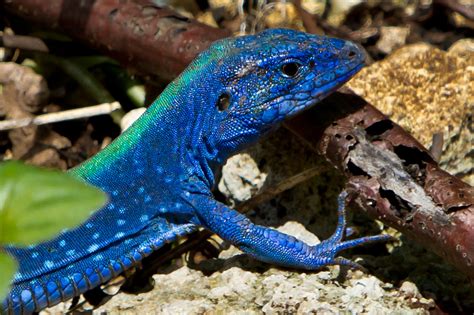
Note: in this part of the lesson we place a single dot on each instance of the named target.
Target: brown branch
(141, 35)
(395, 177)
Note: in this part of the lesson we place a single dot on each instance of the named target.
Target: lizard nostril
(351, 54)
(223, 102)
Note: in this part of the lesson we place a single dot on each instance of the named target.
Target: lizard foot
(326, 251)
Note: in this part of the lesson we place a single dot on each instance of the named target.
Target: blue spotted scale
(159, 173)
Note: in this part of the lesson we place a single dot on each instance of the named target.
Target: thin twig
(96, 110)
(23, 42)
(271, 192)
(437, 146)
(86, 80)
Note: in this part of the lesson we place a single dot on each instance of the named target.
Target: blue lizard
(159, 173)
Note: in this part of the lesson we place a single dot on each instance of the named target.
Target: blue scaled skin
(159, 173)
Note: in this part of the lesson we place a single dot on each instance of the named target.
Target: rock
(392, 37)
(369, 287)
(281, 15)
(48, 158)
(409, 289)
(427, 91)
(287, 298)
(229, 6)
(237, 291)
(233, 289)
(314, 6)
(464, 49)
(300, 232)
(340, 9)
(233, 283)
(25, 88)
(129, 118)
(241, 177)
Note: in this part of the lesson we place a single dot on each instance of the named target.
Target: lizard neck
(166, 139)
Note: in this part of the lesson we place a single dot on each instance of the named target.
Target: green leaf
(8, 268)
(36, 204)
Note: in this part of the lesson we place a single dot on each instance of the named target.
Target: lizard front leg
(272, 246)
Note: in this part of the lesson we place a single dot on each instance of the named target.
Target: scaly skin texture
(159, 173)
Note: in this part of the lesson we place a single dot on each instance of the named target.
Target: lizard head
(258, 81)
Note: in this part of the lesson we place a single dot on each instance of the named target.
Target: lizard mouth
(317, 94)
(330, 87)
(284, 110)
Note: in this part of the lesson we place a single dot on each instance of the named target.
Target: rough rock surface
(238, 288)
(242, 178)
(428, 91)
(392, 37)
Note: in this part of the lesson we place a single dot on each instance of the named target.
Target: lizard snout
(354, 53)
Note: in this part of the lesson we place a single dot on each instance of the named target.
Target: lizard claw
(351, 264)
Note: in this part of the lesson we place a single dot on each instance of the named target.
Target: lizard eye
(290, 69)
(223, 102)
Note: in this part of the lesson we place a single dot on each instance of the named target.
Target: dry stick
(271, 192)
(87, 81)
(96, 110)
(436, 148)
(23, 42)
